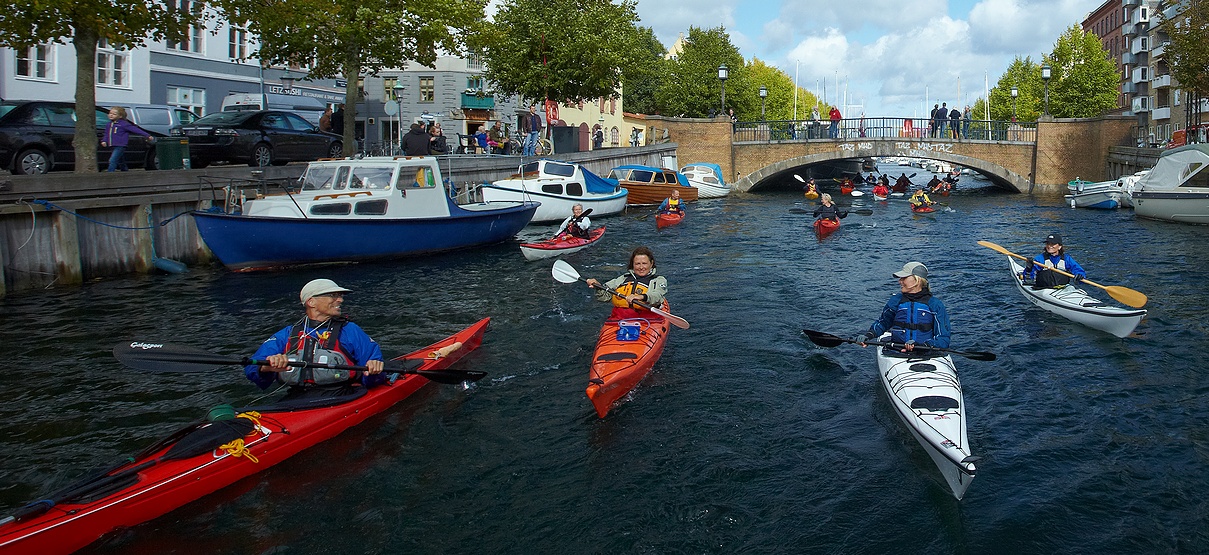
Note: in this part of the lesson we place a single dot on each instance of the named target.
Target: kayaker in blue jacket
(1053, 255)
(322, 335)
(672, 204)
(912, 316)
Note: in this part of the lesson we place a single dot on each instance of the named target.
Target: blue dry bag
(629, 330)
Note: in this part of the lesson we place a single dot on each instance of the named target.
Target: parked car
(258, 138)
(36, 137)
(160, 118)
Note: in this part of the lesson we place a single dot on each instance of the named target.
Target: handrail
(913, 129)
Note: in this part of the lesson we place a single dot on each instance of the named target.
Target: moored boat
(558, 186)
(191, 464)
(707, 178)
(1076, 305)
(1177, 188)
(825, 226)
(926, 394)
(666, 219)
(355, 210)
(558, 246)
(621, 360)
(649, 185)
(1097, 200)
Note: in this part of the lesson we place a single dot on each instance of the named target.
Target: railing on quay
(912, 129)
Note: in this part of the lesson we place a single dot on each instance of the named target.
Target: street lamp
(723, 73)
(763, 95)
(1045, 74)
(398, 88)
(287, 83)
(1015, 93)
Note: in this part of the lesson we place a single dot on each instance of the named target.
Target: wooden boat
(825, 226)
(355, 210)
(558, 247)
(666, 219)
(648, 185)
(1076, 305)
(558, 186)
(707, 178)
(173, 473)
(926, 395)
(619, 364)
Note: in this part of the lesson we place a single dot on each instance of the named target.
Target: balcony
(1128, 59)
(1161, 81)
(1129, 87)
(1141, 105)
(1129, 30)
(1128, 3)
(1161, 113)
(474, 101)
(1159, 50)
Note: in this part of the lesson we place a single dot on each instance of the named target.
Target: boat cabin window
(561, 170)
(1200, 176)
(659, 178)
(617, 174)
(531, 167)
(575, 190)
(641, 176)
(318, 178)
(371, 207)
(371, 178)
(671, 177)
(341, 179)
(552, 188)
(416, 177)
(331, 209)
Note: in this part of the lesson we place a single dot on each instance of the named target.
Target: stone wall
(1070, 148)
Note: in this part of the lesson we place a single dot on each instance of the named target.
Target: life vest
(633, 285)
(1047, 279)
(913, 321)
(324, 349)
(574, 230)
(673, 204)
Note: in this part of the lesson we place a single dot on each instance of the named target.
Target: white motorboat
(1128, 183)
(1177, 189)
(926, 395)
(558, 186)
(707, 178)
(1076, 305)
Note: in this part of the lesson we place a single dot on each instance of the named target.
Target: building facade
(1106, 23)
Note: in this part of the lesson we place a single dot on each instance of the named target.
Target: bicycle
(543, 148)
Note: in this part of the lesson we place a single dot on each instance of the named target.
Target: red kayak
(825, 226)
(191, 463)
(665, 219)
(922, 209)
(559, 247)
(620, 361)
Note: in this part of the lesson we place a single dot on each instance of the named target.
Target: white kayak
(926, 394)
(1075, 304)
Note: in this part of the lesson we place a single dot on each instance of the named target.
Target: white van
(309, 107)
(160, 118)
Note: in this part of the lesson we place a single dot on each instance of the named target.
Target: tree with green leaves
(641, 79)
(1025, 75)
(120, 23)
(1188, 53)
(354, 37)
(779, 103)
(562, 50)
(691, 87)
(1084, 80)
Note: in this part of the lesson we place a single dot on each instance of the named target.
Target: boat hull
(558, 247)
(655, 194)
(1076, 305)
(1183, 207)
(617, 365)
(255, 242)
(668, 219)
(554, 208)
(706, 190)
(1096, 200)
(165, 485)
(926, 395)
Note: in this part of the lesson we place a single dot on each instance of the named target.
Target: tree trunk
(85, 141)
(352, 95)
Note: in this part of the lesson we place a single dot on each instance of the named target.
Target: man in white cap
(322, 336)
(912, 316)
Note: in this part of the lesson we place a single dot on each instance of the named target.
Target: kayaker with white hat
(912, 316)
(322, 335)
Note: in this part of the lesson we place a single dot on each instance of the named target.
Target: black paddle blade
(450, 376)
(165, 357)
(863, 212)
(824, 339)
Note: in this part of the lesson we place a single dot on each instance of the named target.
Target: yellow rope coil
(237, 448)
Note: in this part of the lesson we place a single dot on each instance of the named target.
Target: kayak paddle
(1123, 294)
(861, 211)
(165, 357)
(565, 273)
(827, 340)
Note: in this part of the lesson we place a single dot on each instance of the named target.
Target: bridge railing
(850, 129)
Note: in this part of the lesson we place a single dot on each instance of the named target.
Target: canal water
(746, 438)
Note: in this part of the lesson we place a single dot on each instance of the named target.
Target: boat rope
(237, 448)
(52, 206)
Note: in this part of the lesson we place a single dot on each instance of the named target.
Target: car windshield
(223, 118)
(5, 109)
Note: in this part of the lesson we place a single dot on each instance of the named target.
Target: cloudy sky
(889, 54)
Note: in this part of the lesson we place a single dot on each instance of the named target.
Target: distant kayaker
(576, 225)
(672, 204)
(903, 184)
(1053, 255)
(912, 316)
(920, 199)
(828, 210)
(812, 190)
(639, 283)
(322, 335)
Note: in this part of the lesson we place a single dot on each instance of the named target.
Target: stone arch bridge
(1041, 161)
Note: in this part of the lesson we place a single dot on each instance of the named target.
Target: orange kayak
(922, 209)
(825, 226)
(812, 195)
(618, 364)
(663, 220)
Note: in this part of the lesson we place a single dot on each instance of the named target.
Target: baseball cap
(912, 268)
(318, 287)
(1053, 239)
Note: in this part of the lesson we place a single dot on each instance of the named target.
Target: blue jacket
(1066, 261)
(940, 323)
(118, 131)
(353, 340)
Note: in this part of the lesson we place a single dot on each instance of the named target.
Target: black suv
(266, 137)
(36, 137)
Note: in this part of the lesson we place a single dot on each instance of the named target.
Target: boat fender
(630, 330)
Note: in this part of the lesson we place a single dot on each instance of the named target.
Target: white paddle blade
(563, 272)
(858, 193)
(799, 178)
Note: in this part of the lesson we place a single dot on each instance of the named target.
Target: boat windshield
(561, 170)
(318, 178)
(375, 178)
(642, 176)
(531, 167)
(618, 174)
